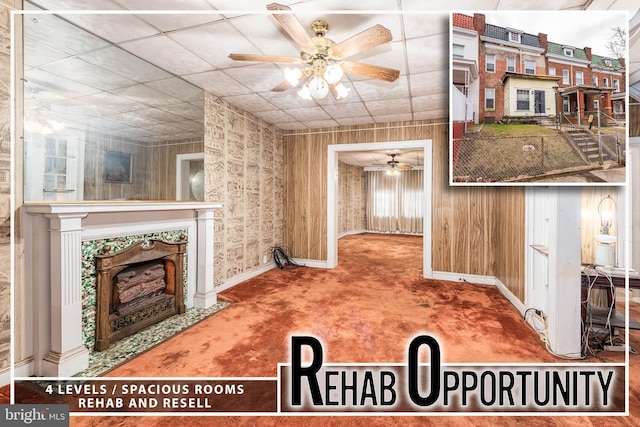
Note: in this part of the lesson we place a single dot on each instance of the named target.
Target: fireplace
(137, 287)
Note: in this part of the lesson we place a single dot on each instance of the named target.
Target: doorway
(332, 194)
(539, 102)
(190, 176)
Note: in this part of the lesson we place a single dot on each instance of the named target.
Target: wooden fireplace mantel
(54, 233)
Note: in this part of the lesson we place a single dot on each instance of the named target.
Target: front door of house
(538, 102)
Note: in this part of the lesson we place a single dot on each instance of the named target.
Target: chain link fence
(507, 158)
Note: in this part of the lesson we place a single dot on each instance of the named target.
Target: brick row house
(521, 75)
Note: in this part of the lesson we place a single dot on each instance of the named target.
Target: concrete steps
(588, 144)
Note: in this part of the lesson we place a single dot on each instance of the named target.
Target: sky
(575, 28)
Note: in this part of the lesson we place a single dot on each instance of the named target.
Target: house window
(458, 51)
(511, 65)
(605, 82)
(522, 99)
(596, 105)
(514, 37)
(616, 85)
(491, 63)
(489, 98)
(608, 62)
(565, 77)
(568, 52)
(529, 67)
(552, 71)
(579, 78)
(565, 104)
(594, 79)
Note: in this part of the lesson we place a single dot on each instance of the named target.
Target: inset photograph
(538, 97)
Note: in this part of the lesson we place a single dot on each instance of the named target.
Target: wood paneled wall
(95, 187)
(509, 225)
(634, 119)
(465, 238)
(162, 166)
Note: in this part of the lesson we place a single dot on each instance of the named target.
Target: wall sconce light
(605, 247)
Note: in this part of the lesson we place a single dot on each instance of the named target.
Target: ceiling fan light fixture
(342, 91)
(333, 73)
(318, 87)
(292, 75)
(393, 172)
(305, 93)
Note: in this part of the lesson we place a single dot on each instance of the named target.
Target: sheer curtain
(394, 203)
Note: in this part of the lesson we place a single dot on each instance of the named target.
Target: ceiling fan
(394, 164)
(324, 61)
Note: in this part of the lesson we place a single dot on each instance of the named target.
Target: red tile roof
(463, 21)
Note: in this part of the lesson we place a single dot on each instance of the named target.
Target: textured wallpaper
(244, 171)
(351, 199)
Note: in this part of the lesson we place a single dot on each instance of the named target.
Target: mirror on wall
(99, 122)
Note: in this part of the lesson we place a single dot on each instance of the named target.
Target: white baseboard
(229, 283)
(519, 305)
(313, 263)
(5, 377)
(349, 233)
(460, 277)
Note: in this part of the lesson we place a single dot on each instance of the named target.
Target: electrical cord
(543, 333)
(281, 258)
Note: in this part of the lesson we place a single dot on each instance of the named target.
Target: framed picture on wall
(117, 167)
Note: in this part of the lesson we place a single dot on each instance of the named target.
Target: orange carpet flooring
(366, 310)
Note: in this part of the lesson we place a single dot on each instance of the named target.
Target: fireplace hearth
(137, 287)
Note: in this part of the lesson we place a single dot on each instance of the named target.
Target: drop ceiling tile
(430, 115)
(217, 83)
(428, 53)
(439, 101)
(346, 109)
(115, 28)
(36, 54)
(188, 125)
(390, 55)
(132, 119)
(168, 55)
(309, 113)
(111, 101)
(53, 32)
(157, 115)
(178, 88)
(287, 100)
(265, 35)
(291, 126)
(425, 24)
(88, 74)
(259, 77)
(55, 86)
(389, 106)
(174, 21)
(429, 83)
(354, 121)
(315, 124)
(251, 102)
(214, 43)
(123, 63)
(440, 5)
(185, 110)
(386, 118)
(146, 95)
(274, 116)
(374, 90)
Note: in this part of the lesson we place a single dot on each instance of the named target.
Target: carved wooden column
(205, 295)
(67, 354)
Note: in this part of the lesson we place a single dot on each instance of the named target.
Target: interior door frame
(332, 194)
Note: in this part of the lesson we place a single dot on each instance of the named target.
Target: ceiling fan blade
(371, 71)
(284, 85)
(371, 37)
(404, 166)
(262, 58)
(293, 27)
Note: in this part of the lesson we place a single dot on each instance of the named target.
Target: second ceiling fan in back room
(323, 60)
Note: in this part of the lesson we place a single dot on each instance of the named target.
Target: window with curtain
(394, 203)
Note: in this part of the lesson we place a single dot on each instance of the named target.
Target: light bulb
(333, 73)
(304, 93)
(342, 91)
(318, 87)
(292, 75)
